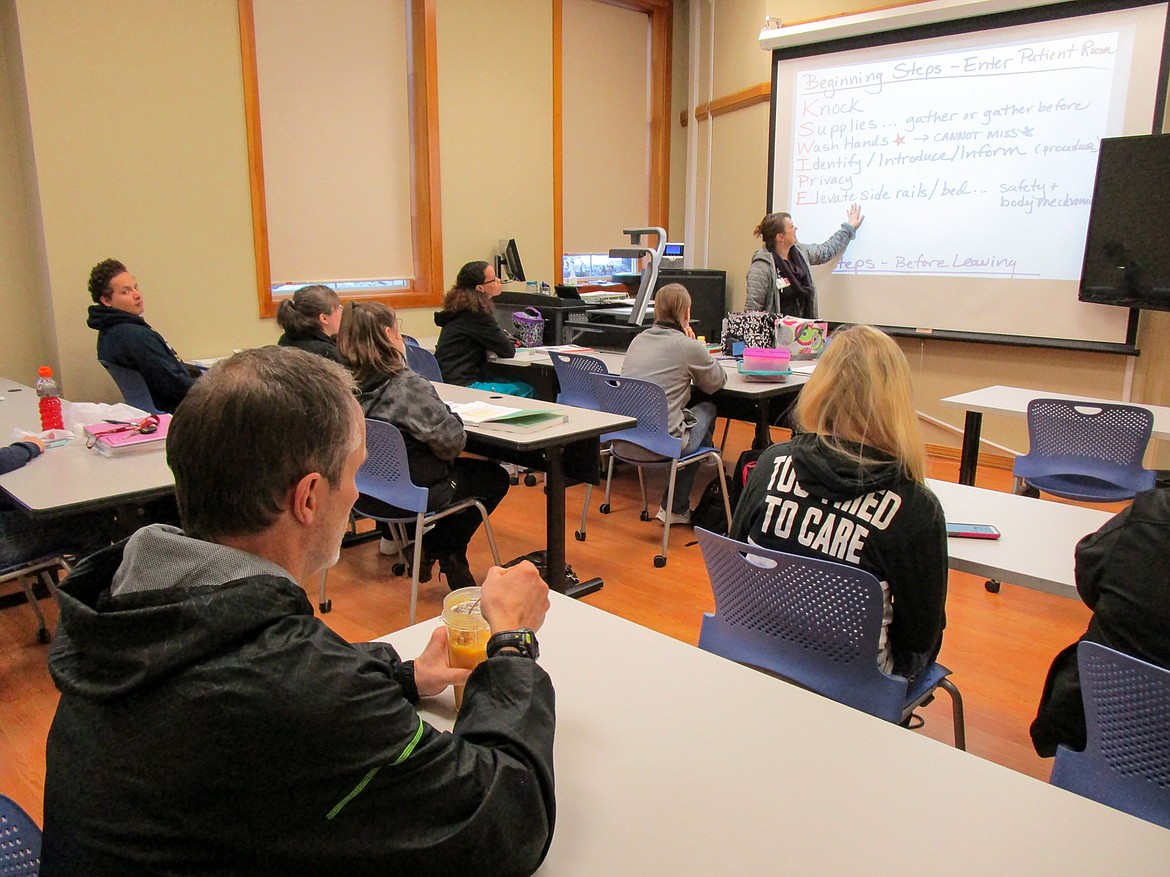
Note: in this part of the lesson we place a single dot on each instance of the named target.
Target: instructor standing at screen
(779, 280)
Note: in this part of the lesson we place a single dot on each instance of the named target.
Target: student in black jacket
(851, 489)
(126, 339)
(1121, 576)
(469, 331)
(310, 320)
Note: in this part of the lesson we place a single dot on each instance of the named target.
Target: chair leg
(726, 429)
(51, 577)
(30, 595)
(323, 604)
(607, 457)
(580, 534)
(1020, 487)
(645, 516)
(956, 713)
(723, 484)
(487, 529)
(660, 560)
(401, 541)
(608, 485)
(417, 563)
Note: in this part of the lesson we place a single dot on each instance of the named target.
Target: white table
(571, 449)
(1037, 537)
(1013, 401)
(75, 478)
(670, 760)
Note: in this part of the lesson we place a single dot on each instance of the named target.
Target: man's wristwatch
(520, 642)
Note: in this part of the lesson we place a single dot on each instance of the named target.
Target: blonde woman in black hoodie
(851, 489)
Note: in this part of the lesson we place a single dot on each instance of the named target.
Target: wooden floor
(999, 646)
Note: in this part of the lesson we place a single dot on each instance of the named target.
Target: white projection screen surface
(973, 157)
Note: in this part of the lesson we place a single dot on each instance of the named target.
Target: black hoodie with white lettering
(806, 498)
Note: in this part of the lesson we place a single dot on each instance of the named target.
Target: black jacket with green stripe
(214, 726)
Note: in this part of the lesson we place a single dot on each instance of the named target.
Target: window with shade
(340, 132)
(615, 96)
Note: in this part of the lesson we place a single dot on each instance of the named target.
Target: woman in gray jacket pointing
(779, 280)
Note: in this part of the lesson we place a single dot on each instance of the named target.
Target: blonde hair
(671, 304)
(362, 340)
(861, 392)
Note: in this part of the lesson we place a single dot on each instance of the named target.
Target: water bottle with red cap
(50, 399)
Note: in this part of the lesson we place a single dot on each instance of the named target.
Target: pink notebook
(116, 439)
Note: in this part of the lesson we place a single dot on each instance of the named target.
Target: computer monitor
(508, 262)
(1127, 253)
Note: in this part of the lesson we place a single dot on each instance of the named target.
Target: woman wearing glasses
(371, 342)
(469, 331)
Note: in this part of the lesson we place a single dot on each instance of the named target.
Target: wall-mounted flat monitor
(1127, 248)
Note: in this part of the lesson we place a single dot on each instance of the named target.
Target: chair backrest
(1126, 762)
(385, 475)
(812, 621)
(423, 361)
(410, 340)
(132, 387)
(1098, 431)
(20, 841)
(573, 371)
(645, 400)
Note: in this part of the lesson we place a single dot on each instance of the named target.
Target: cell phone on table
(972, 531)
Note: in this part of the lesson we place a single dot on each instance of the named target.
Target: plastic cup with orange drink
(467, 632)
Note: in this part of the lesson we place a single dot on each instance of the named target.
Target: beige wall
(495, 132)
(739, 62)
(736, 145)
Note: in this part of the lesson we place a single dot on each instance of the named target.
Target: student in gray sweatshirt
(669, 355)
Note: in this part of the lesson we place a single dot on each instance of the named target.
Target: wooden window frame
(661, 14)
(425, 289)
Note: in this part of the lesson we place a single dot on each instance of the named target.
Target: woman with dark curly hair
(469, 331)
(310, 320)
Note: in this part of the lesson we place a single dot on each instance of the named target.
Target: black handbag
(748, 329)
